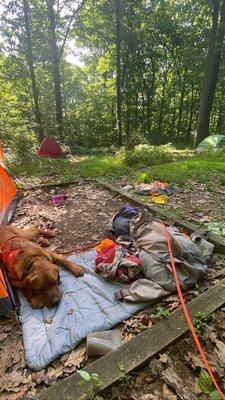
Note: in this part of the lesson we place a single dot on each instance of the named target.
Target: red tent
(50, 148)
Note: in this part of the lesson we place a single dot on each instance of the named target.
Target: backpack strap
(121, 294)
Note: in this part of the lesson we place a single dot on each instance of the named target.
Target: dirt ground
(82, 220)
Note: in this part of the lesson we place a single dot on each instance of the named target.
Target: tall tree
(55, 67)
(30, 61)
(212, 66)
(57, 49)
(118, 75)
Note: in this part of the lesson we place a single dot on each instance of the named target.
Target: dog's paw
(35, 304)
(47, 233)
(78, 271)
(43, 242)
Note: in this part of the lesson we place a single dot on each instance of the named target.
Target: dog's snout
(55, 302)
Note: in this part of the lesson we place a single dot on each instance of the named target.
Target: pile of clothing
(136, 254)
(157, 191)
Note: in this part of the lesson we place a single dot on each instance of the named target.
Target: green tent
(212, 142)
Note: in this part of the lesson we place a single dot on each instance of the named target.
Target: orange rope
(187, 315)
(79, 248)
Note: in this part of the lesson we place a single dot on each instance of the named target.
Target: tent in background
(212, 142)
(50, 148)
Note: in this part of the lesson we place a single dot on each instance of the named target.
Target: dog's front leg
(76, 270)
(28, 233)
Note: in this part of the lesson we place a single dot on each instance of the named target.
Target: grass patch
(37, 168)
(203, 168)
(153, 163)
(103, 166)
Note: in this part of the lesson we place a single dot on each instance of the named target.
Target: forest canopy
(137, 75)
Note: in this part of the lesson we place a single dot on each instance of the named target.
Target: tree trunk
(119, 141)
(219, 124)
(136, 114)
(191, 112)
(128, 121)
(162, 102)
(180, 109)
(29, 54)
(55, 68)
(212, 66)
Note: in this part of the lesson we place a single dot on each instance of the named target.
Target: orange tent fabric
(8, 200)
(8, 192)
(7, 301)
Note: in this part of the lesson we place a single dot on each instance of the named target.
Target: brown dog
(31, 269)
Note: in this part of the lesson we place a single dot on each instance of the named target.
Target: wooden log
(137, 351)
(55, 184)
(216, 240)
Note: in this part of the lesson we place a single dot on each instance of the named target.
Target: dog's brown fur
(37, 271)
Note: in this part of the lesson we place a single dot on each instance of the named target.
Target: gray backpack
(148, 236)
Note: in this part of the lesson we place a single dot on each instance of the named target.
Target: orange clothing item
(104, 245)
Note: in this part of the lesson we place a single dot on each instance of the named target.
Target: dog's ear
(25, 259)
(23, 264)
(27, 286)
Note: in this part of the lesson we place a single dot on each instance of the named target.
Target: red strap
(187, 315)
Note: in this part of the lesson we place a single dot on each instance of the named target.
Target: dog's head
(40, 281)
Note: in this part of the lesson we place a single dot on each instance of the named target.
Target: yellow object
(104, 245)
(162, 199)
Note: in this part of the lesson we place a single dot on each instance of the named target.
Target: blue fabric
(87, 305)
(121, 221)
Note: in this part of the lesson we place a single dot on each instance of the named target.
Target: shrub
(145, 155)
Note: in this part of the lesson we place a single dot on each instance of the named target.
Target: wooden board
(137, 351)
(217, 241)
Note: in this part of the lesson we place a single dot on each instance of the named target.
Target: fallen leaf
(163, 358)
(220, 352)
(76, 357)
(194, 361)
(41, 377)
(155, 368)
(3, 336)
(183, 388)
(11, 381)
(168, 394)
(141, 379)
(148, 397)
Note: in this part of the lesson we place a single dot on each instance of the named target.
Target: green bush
(145, 155)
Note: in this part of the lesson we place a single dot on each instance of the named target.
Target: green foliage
(123, 376)
(206, 387)
(162, 312)
(204, 168)
(93, 379)
(204, 382)
(207, 169)
(159, 93)
(105, 166)
(144, 155)
(200, 322)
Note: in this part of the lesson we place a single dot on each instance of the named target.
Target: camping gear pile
(123, 274)
(140, 256)
(158, 192)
